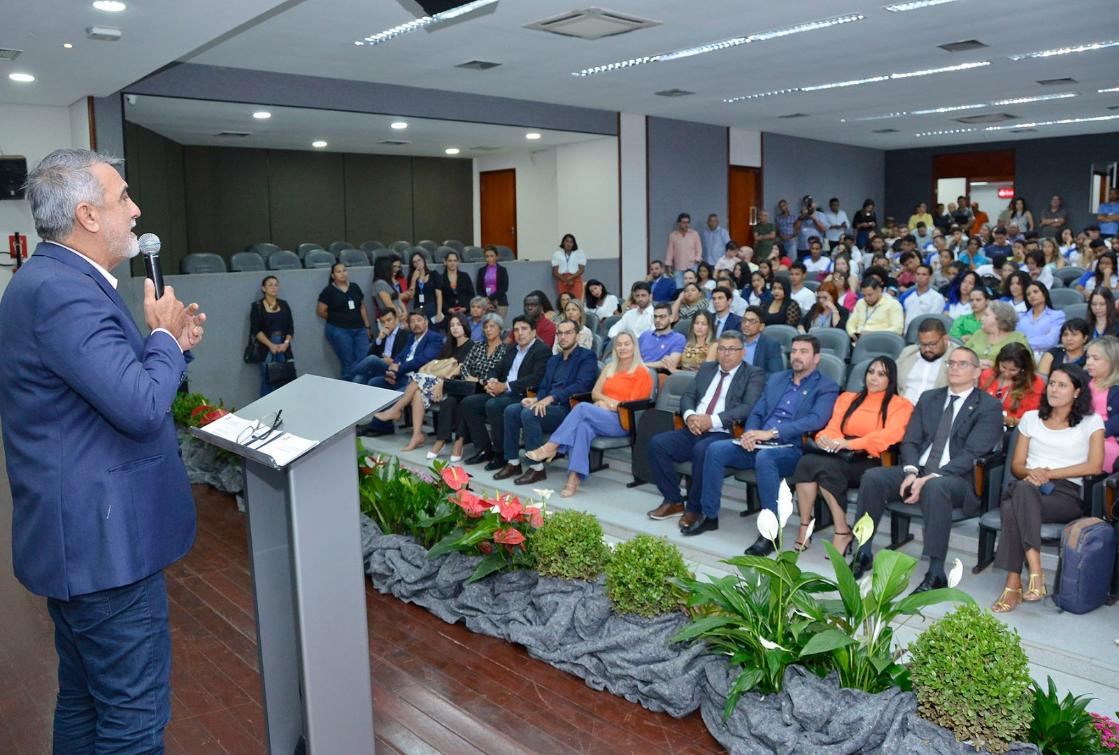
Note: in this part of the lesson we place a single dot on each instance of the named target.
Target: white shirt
(821, 265)
(921, 377)
(804, 298)
(1058, 448)
(928, 303)
(945, 458)
(836, 218)
(738, 304)
(1045, 277)
(634, 319)
(720, 405)
(568, 264)
(607, 307)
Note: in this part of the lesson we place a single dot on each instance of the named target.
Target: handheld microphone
(149, 247)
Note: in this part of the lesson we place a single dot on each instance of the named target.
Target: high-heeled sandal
(435, 452)
(540, 458)
(850, 543)
(569, 491)
(1001, 606)
(800, 546)
(1036, 590)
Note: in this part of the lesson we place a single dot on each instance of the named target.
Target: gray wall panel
(156, 182)
(379, 198)
(305, 197)
(227, 198)
(438, 187)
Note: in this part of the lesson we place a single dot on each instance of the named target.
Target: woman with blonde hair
(1102, 366)
(573, 310)
(624, 378)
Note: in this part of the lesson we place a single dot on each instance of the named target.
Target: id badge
(351, 303)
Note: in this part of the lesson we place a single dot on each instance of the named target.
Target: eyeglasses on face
(961, 364)
(728, 349)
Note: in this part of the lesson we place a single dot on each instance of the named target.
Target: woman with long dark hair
(348, 329)
(1041, 323)
(1103, 276)
(1058, 445)
(782, 310)
(705, 278)
(426, 286)
(457, 288)
(965, 325)
(701, 343)
(272, 325)
(599, 301)
(1014, 291)
(757, 294)
(1075, 335)
(864, 222)
(958, 296)
(863, 424)
(384, 292)
(492, 281)
(1013, 382)
(1102, 315)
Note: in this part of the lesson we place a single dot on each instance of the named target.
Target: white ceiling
(316, 37)
(199, 122)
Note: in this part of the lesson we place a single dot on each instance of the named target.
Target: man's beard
(126, 246)
(929, 358)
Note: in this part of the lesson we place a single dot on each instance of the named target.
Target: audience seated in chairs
(480, 363)
(794, 402)
(700, 344)
(950, 428)
(720, 304)
(1058, 445)
(638, 318)
(922, 299)
(826, 312)
(391, 337)
(600, 301)
(661, 347)
(721, 395)
(536, 307)
(625, 378)
(875, 311)
(479, 308)
(1040, 323)
(421, 346)
(573, 312)
(963, 325)
(863, 424)
(570, 372)
(690, 302)
(1075, 334)
(997, 329)
(1013, 382)
(1102, 366)
(921, 366)
(1102, 315)
(759, 349)
(518, 372)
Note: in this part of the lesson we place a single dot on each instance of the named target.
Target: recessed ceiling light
(915, 5)
(262, 115)
(23, 78)
(418, 23)
(67, 45)
(398, 125)
(1089, 47)
(452, 150)
(109, 6)
(532, 135)
(318, 144)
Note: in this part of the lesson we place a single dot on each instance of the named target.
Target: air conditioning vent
(794, 115)
(395, 142)
(592, 23)
(1023, 130)
(964, 46)
(885, 131)
(478, 65)
(1057, 82)
(234, 134)
(1113, 107)
(673, 93)
(986, 118)
(8, 55)
(483, 149)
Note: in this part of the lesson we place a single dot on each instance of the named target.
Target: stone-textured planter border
(209, 465)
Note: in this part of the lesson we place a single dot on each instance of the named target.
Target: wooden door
(498, 198)
(744, 198)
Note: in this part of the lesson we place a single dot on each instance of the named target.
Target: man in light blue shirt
(661, 347)
(1108, 214)
(714, 239)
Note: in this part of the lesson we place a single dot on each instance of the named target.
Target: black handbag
(460, 387)
(255, 351)
(846, 454)
(280, 373)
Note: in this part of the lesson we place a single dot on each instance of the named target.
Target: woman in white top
(1058, 445)
(1021, 216)
(600, 301)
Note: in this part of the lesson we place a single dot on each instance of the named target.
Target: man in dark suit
(391, 338)
(422, 345)
(101, 501)
(722, 394)
(572, 371)
(724, 319)
(797, 401)
(950, 428)
(519, 371)
(759, 349)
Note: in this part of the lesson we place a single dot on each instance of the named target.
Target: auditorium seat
(243, 262)
(855, 378)
(1076, 310)
(911, 330)
(353, 258)
(319, 258)
(412, 250)
(1069, 274)
(400, 246)
(428, 244)
(1063, 297)
(285, 260)
(455, 244)
(782, 334)
(263, 249)
(833, 341)
(369, 246)
(305, 247)
(337, 246)
(442, 252)
(202, 262)
(379, 253)
(833, 367)
(473, 254)
(876, 343)
(505, 254)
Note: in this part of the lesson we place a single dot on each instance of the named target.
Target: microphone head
(149, 243)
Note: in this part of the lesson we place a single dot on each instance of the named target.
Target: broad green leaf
(446, 545)
(702, 626)
(891, 575)
(825, 642)
(847, 586)
(747, 679)
(914, 603)
(487, 566)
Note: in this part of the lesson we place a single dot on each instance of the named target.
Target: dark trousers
(1024, 508)
(448, 416)
(938, 497)
(666, 449)
(517, 418)
(481, 408)
(114, 669)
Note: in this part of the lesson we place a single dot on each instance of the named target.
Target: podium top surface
(314, 407)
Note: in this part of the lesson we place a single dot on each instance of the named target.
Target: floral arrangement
(195, 410)
(1108, 730)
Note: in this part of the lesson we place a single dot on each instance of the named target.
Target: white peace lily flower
(863, 530)
(767, 525)
(544, 493)
(865, 584)
(811, 527)
(784, 504)
(956, 573)
(769, 645)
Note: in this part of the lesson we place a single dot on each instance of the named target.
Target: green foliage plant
(184, 405)
(971, 676)
(569, 546)
(1062, 726)
(403, 502)
(639, 574)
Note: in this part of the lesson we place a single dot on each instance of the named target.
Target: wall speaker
(13, 175)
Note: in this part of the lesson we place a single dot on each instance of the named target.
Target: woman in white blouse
(600, 301)
(1058, 445)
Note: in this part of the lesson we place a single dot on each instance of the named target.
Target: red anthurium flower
(200, 410)
(455, 477)
(535, 516)
(509, 508)
(470, 503)
(486, 547)
(508, 536)
(210, 416)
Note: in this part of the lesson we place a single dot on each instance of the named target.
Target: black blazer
(501, 295)
(742, 393)
(532, 368)
(460, 294)
(976, 431)
(377, 348)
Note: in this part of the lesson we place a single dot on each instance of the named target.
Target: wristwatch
(910, 469)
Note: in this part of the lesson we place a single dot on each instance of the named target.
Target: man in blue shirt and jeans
(661, 347)
(1109, 214)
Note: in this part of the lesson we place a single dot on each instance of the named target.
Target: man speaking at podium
(101, 502)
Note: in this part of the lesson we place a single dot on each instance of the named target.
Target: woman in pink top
(1103, 366)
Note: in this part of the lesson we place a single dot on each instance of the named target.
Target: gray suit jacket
(741, 395)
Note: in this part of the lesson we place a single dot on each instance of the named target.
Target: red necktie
(718, 392)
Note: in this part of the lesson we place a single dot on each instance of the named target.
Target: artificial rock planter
(209, 465)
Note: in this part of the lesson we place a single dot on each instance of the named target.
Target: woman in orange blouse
(1013, 382)
(624, 378)
(866, 423)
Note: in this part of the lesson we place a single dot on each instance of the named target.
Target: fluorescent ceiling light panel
(532, 135)
(859, 82)
(724, 44)
(452, 150)
(1066, 50)
(1061, 122)
(319, 144)
(946, 132)
(262, 115)
(398, 125)
(841, 84)
(915, 5)
(1109, 89)
(945, 69)
(949, 108)
(109, 6)
(1039, 98)
(740, 98)
(423, 21)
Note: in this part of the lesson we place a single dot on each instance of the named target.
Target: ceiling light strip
(1089, 47)
(1109, 89)
(859, 82)
(947, 131)
(421, 22)
(1061, 122)
(915, 5)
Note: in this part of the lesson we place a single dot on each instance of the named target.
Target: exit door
(744, 196)
(498, 199)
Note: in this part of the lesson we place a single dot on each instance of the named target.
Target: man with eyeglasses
(949, 430)
(722, 393)
(759, 349)
(922, 366)
(661, 347)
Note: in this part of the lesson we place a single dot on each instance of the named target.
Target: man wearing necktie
(950, 428)
(722, 393)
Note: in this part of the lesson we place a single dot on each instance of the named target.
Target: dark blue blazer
(100, 496)
(580, 378)
(813, 413)
(767, 355)
(734, 322)
(430, 346)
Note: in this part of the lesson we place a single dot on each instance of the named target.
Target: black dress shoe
(509, 470)
(531, 476)
(494, 465)
(931, 583)
(700, 525)
(761, 547)
(479, 457)
(861, 564)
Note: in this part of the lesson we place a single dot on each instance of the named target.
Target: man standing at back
(101, 502)
(714, 238)
(684, 250)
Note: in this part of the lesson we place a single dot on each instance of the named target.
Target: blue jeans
(265, 386)
(771, 465)
(518, 418)
(350, 344)
(114, 669)
(665, 449)
(366, 370)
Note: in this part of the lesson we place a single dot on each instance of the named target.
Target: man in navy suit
(101, 502)
(795, 402)
(423, 345)
(758, 349)
(724, 319)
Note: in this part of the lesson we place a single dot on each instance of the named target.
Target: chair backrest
(783, 334)
(812, 285)
(369, 246)
(428, 244)
(1057, 283)
(877, 343)
(337, 246)
(833, 367)
(833, 341)
(442, 252)
(455, 244)
(202, 262)
(263, 249)
(656, 383)
(305, 247)
(407, 254)
(605, 325)
(1076, 310)
(1007, 476)
(1069, 274)
(683, 325)
(590, 319)
(855, 378)
(379, 253)
(400, 246)
(285, 260)
(319, 258)
(353, 258)
(911, 330)
(505, 253)
(1062, 297)
(242, 262)
(674, 386)
(473, 254)
(597, 345)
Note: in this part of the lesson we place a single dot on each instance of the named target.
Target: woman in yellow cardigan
(867, 423)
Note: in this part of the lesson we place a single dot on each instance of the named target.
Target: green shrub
(569, 546)
(970, 675)
(1062, 726)
(638, 574)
